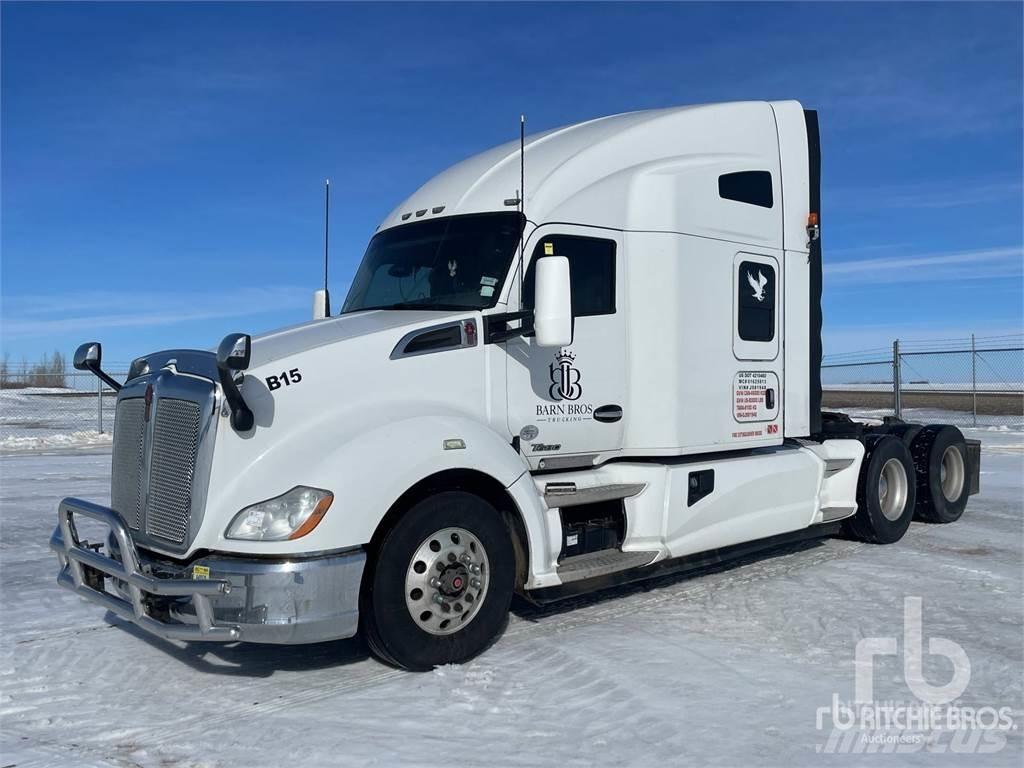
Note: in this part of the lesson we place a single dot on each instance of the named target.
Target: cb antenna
(522, 203)
(327, 230)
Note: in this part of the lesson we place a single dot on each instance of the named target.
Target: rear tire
(940, 456)
(885, 492)
(906, 433)
(438, 588)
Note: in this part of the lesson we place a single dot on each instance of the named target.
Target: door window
(756, 301)
(591, 272)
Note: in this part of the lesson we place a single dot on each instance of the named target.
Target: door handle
(769, 399)
(608, 413)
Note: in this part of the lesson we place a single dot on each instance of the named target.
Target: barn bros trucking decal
(755, 397)
(565, 390)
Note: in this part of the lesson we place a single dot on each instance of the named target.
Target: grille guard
(76, 556)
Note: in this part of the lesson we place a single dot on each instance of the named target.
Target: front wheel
(440, 583)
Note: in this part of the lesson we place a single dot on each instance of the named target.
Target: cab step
(592, 564)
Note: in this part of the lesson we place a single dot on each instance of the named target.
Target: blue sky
(162, 165)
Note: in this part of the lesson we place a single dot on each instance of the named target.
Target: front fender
(367, 469)
(375, 469)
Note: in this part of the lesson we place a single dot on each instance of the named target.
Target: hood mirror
(88, 357)
(234, 354)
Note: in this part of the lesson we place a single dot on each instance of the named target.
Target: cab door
(566, 405)
(757, 328)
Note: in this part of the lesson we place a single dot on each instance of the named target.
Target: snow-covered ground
(725, 668)
(47, 418)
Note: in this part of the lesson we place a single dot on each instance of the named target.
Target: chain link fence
(49, 405)
(973, 381)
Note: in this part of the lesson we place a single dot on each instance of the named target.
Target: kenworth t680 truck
(565, 363)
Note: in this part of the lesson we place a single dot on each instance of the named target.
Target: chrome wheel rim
(446, 581)
(951, 473)
(892, 489)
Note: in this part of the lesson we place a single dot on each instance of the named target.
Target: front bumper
(219, 597)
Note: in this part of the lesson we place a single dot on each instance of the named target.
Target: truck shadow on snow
(258, 661)
(533, 612)
(251, 659)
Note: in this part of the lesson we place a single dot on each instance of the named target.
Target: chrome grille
(129, 456)
(172, 467)
(163, 452)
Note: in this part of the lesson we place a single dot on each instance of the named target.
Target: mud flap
(973, 466)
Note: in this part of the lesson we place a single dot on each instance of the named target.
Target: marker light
(288, 516)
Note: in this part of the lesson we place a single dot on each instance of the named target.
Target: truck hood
(316, 333)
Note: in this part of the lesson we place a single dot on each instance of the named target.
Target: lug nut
(474, 583)
(435, 582)
(465, 558)
(438, 599)
(474, 568)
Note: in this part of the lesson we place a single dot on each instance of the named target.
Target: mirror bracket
(496, 328)
(89, 357)
(233, 354)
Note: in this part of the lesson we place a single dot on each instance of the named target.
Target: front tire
(886, 492)
(440, 583)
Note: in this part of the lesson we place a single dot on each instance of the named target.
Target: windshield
(456, 262)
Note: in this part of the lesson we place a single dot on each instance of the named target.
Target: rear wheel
(885, 492)
(940, 456)
(905, 432)
(440, 583)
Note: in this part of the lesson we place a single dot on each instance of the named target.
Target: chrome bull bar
(76, 556)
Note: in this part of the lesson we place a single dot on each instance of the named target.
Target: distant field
(992, 403)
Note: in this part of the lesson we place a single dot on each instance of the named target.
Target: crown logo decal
(565, 377)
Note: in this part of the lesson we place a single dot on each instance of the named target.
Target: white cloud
(961, 265)
(933, 195)
(32, 316)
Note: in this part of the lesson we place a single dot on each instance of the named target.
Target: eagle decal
(758, 284)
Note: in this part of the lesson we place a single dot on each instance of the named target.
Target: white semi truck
(562, 364)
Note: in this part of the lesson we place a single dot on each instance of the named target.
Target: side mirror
(234, 351)
(88, 356)
(233, 355)
(321, 304)
(552, 315)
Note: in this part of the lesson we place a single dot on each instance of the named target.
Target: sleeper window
(591, 272)
(756, 301)
(752, 187)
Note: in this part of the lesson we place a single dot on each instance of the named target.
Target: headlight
(288, 516)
